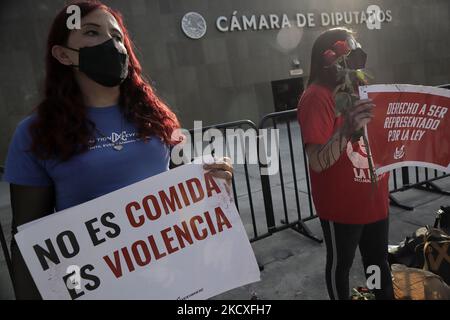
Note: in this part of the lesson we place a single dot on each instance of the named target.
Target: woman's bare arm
(27, 204)
(323, 156)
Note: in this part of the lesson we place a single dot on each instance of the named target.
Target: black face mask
(103, 63)
(356, 59)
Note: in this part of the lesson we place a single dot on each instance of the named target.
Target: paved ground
(293, 264)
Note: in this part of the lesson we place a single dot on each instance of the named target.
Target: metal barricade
(419, 178)
(246, 179)
(292, 218)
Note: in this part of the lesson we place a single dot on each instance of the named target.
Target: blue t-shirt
(94, 173)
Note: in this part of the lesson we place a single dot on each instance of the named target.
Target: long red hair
(62, 129)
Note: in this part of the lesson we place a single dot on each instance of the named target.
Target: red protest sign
(411, 126)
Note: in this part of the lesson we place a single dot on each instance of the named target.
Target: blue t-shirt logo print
(94, 173)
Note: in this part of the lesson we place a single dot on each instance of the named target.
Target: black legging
(341, 242)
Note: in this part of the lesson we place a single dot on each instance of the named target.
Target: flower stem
(373, 178)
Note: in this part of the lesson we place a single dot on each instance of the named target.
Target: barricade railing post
(6, 252)
(298, 225)
(265, 184)
(3, 240)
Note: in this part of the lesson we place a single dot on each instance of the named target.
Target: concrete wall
(223, 76)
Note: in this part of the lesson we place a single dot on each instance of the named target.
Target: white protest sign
(176, 235)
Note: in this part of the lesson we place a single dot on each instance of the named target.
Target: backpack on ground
(436, 253)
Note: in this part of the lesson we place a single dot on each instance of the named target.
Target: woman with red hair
(99, 128)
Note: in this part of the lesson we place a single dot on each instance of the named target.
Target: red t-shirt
(342, 193)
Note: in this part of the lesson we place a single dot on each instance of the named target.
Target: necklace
(116, 145)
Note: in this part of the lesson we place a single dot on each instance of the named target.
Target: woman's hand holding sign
(223, 169)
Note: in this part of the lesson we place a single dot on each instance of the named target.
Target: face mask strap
(72, 65)
(76, 50)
